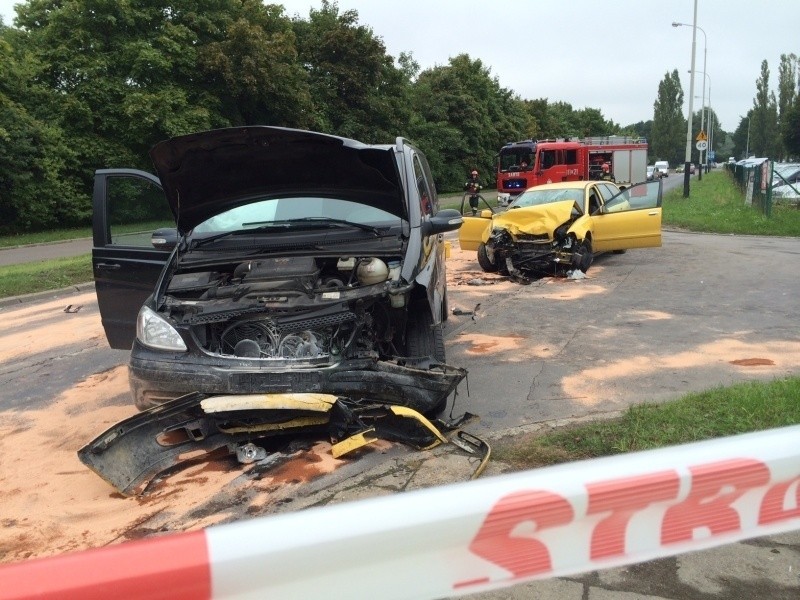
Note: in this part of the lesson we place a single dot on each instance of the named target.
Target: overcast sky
(608, 54)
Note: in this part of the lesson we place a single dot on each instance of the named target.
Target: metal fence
(754, 178)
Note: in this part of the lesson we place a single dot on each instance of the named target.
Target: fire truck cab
(523, 164)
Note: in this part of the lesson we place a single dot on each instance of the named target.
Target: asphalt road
(37, 252)
(651, 324)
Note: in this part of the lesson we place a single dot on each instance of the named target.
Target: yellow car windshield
(536, 197)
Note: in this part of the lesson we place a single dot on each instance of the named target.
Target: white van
(662, 167)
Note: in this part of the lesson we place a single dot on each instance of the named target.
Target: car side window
(594, 200)
(136, 208)
(608, 192)
(637, 197)
(425, 196)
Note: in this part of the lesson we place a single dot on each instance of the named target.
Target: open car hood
(536, 220)
(204, 174)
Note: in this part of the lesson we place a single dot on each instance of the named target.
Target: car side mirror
(165, 238)
(447, 219)
(486, 214)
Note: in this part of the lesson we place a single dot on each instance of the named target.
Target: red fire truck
(521, 165)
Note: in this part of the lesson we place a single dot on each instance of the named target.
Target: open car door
(128, 207)
(631, 219)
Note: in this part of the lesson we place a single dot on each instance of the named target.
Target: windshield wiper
(303, 222)
(327, 222)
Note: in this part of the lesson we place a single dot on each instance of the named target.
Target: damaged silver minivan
(272, 260)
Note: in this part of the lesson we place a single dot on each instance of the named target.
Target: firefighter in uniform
(473, 187)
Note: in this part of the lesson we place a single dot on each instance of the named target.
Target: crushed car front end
(540, 238)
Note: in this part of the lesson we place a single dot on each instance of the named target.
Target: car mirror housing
(448, 219)
(165, 238)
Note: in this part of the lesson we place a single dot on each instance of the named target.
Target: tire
(484, 261)
(583, 257)
(422, 337)
(620, 251)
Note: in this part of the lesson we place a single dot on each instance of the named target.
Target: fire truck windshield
(516, 159)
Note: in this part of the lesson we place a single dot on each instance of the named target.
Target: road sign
(701, 145)
(712, 155)
(701, 137)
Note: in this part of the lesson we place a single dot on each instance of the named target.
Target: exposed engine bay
(316, 310)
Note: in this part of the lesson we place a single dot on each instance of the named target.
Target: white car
(662, 167)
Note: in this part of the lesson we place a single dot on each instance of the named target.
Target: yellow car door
(471, 233)
(631, 219)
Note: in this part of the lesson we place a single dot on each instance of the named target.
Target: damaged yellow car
(559, 227)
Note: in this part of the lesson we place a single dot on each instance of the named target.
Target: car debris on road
(254, 427)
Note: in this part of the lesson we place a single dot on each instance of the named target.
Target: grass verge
(28, 278)
(716, 205)
(43, 237)
(723, 411)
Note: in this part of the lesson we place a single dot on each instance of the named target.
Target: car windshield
(536, 197)
(304, 210)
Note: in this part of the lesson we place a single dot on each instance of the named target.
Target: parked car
(297, 261)
(662, 166)
(787, 173)
(786, 182)
(561, 226)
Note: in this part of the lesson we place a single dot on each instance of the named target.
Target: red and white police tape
(461, 538)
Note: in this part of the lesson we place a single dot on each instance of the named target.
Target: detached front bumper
(131, 453)
(424, 387)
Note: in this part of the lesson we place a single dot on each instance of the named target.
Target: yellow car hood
(535, 220)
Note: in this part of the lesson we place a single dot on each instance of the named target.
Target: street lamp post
(710, 126)
(707, 110)
(705, 51)
(747, 147)
(691, 100)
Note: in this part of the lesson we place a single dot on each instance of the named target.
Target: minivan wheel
(423, 338)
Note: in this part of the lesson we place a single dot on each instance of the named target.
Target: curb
(46, 295)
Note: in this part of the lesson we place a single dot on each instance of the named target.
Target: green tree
(36, 187)
(125, 75)
(669, 125)
(787, 95)
(355, 86)
(741, 137)
(474, 115)
(764, 137)
(254, 71)
(791, 130)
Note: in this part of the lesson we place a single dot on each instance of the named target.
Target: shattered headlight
(153, 330)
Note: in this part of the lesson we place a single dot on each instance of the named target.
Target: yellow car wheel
(484, 261)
